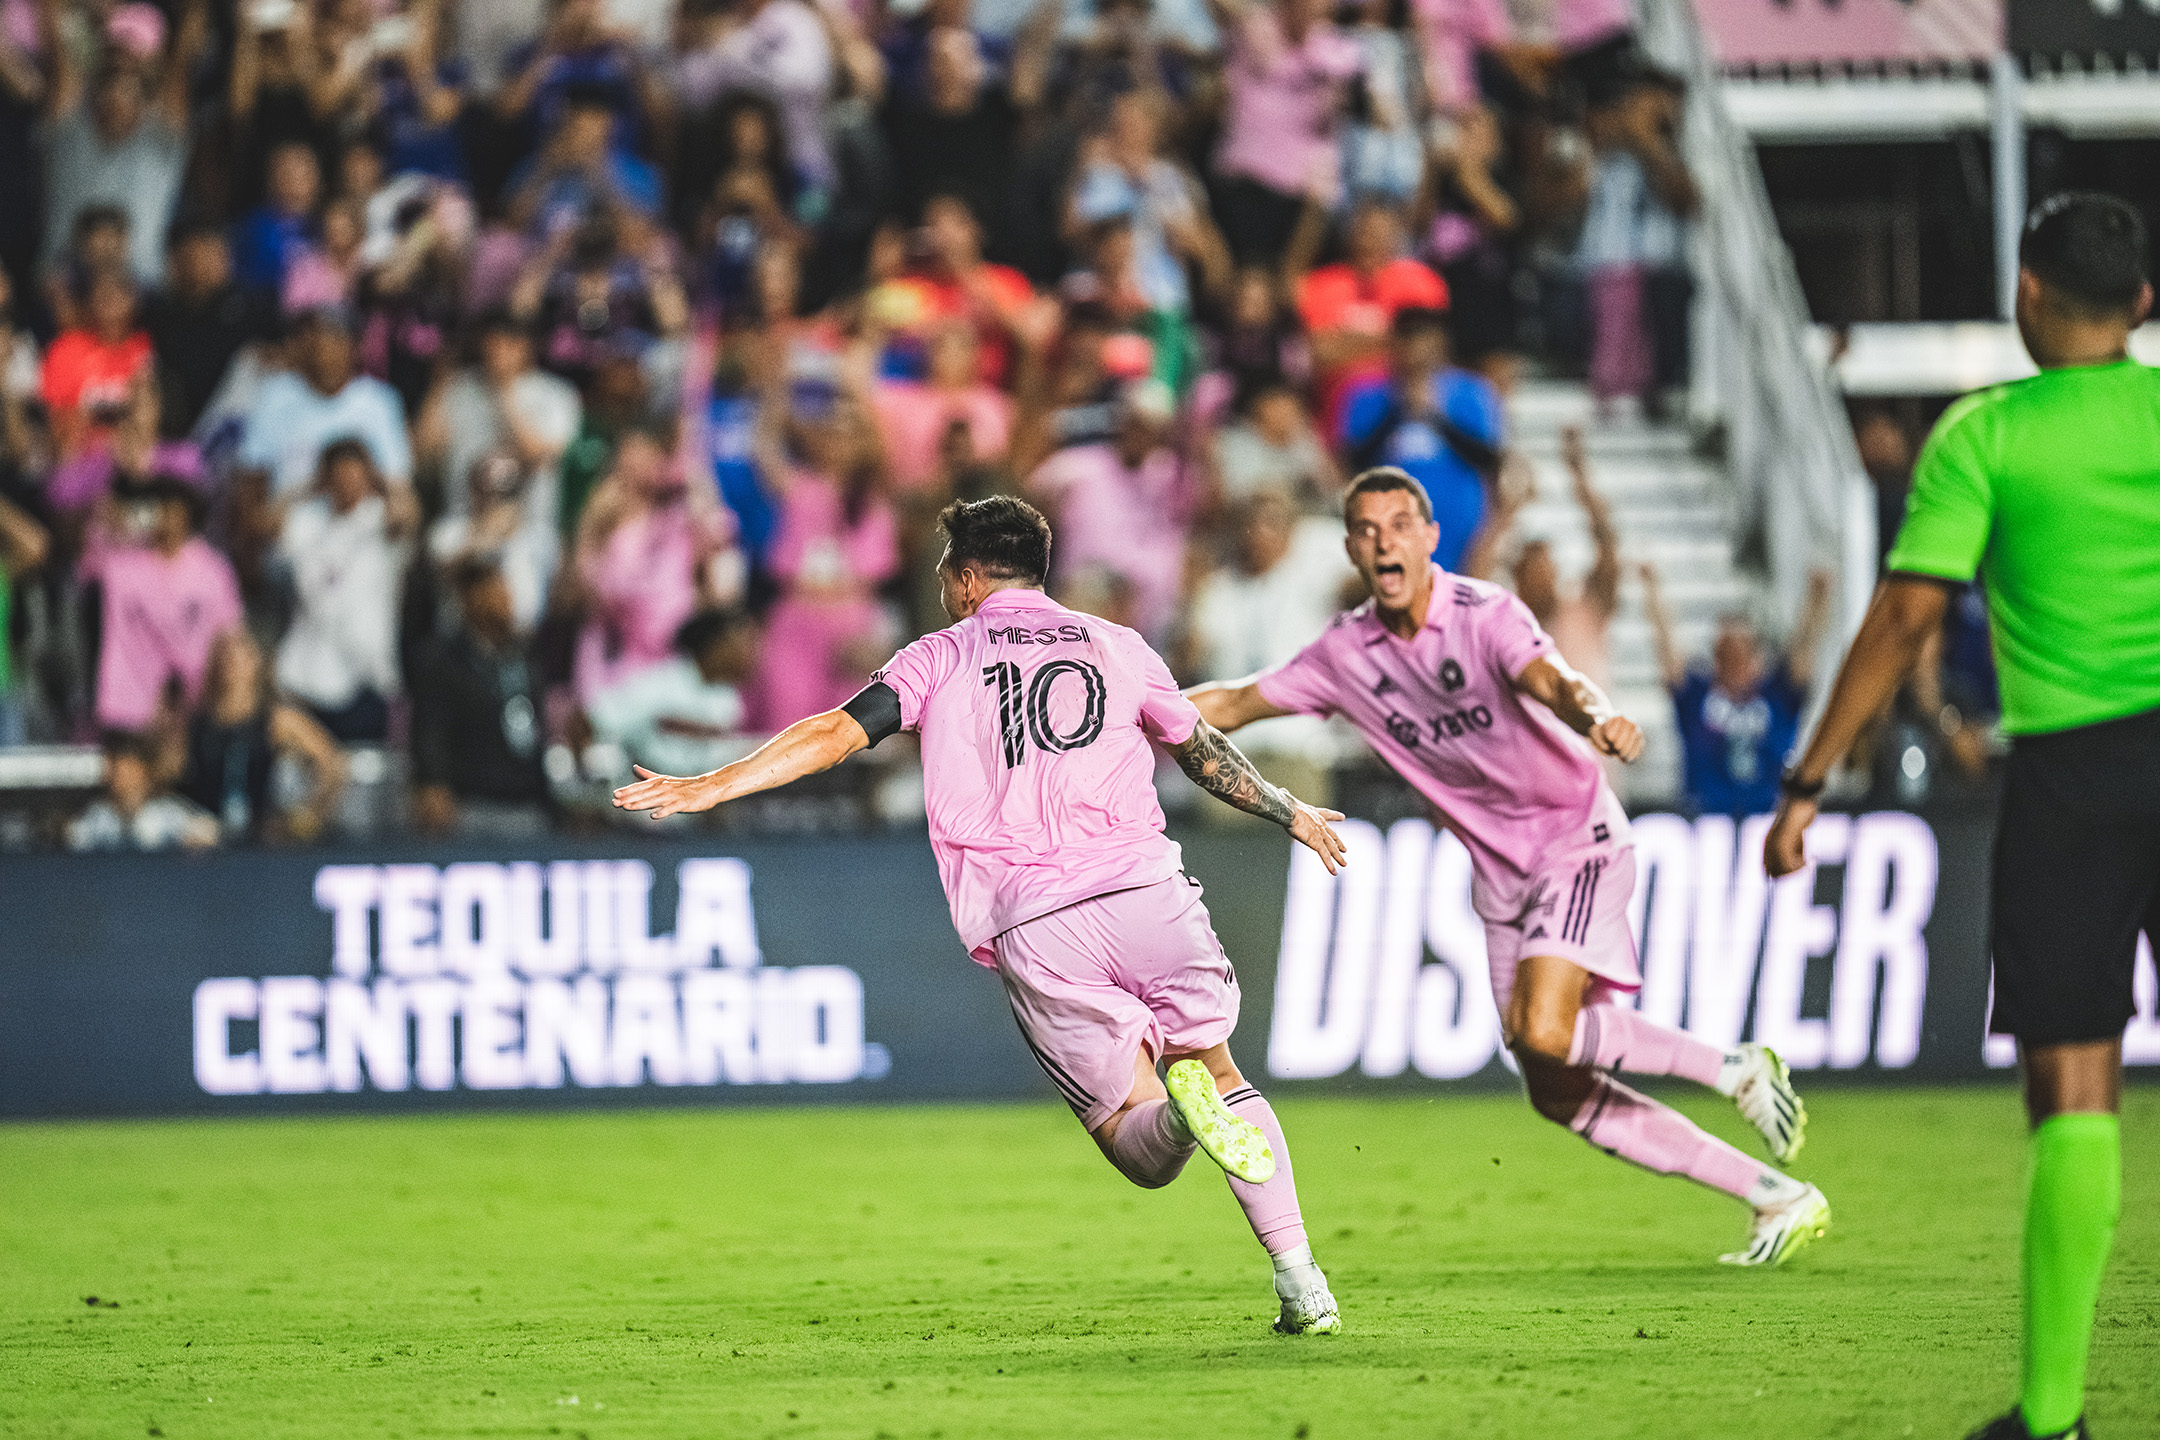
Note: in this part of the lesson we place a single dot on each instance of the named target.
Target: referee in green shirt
(2049, 488)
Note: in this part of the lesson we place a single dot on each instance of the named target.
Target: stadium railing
(1796, 476)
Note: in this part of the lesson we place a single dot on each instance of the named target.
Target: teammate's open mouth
(1387, 568)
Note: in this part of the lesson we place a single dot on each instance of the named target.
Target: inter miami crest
(1451, 676)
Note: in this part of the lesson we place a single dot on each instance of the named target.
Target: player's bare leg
(1541, 1026)
(1207, 1104)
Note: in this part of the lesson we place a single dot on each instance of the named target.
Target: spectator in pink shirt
(837, 542)
(1122, 509)
(167, 596)
(646, 545)
(1287, 72)
(1580, 25)
(1451, 32)
(328, 273)
(912, 416)
(1593, 41)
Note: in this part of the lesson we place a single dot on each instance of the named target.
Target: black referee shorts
(2077, 876)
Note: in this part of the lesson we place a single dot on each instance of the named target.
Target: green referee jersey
(2049, 488)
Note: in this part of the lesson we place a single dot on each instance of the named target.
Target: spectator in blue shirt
(1440, 424)
(906, 47)
(578, 54)
(577, 174)
(1968, 662)
(416, 121)
(270, 237)
(1739, 716)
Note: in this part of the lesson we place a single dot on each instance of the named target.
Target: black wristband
(1793, 788)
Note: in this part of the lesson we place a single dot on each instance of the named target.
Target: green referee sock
(2069, 1225)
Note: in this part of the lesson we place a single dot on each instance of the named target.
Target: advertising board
(828, 969)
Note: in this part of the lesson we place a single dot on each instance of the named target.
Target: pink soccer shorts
(1575, 908)
(1097, 982)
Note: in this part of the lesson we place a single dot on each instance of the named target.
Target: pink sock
(1611, 1038)
(1271, 1209)
(1149, 1148)
(1631, 1125)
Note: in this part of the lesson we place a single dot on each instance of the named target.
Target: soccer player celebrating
(1452, 681)
(1035, 723)
(2050, 487)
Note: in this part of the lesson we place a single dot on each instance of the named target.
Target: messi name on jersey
(1046, 635)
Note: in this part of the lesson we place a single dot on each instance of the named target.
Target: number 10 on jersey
(1024, 707)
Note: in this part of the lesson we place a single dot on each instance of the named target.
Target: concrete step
(1670, 508)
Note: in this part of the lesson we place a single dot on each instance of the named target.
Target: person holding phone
(91, 371)
(345, 549)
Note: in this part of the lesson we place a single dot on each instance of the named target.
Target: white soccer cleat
(1765, 1095)
(1239, 1146)
(1780, 1232)
(1310, 1309)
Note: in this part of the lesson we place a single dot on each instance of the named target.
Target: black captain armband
(876, 707)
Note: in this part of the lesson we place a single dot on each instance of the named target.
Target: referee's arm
(1906, 610)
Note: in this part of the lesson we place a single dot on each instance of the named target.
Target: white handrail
(1789, 446)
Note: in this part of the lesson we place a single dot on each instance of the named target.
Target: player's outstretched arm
(1221, 769)
(804, 748)
(1581, 706)
(1228, 704)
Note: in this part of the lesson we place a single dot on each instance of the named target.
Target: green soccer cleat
(1236, 1145)
(1780, 1233)
(1765, 1096)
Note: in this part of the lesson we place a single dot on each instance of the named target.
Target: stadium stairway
(1671, 507)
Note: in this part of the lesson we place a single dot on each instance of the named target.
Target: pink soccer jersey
(1507, 777)
(1035, 722)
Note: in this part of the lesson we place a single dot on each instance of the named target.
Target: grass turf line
(979, 1271)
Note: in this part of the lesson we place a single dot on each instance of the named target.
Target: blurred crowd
(521, 390)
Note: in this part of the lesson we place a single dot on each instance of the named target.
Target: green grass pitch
(980, 1271)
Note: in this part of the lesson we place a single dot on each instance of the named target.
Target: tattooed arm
(1221, 769)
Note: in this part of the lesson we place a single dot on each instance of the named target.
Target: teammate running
(1035, 723)
(2051, 487)
(1439, 673)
